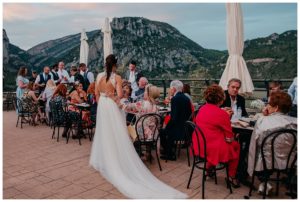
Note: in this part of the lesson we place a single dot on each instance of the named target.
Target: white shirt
(293, 91)
(63, 73)
(134, 85)
(90, 76)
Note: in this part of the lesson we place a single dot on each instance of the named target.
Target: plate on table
(244, 119)
(83, 105)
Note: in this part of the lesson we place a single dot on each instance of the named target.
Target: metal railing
(198, 85)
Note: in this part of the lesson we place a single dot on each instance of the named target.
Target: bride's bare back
(107, 87)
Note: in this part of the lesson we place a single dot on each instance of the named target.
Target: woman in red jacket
(216, 126)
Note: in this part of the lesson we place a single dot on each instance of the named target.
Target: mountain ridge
(161, 51)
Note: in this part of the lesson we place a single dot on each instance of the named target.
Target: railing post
(267, 86)
(207, 82)
(165, 87)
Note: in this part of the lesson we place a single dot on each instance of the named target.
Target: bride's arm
(119, 87)
(97, 92)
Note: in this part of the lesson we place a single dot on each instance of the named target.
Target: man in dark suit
(180, 113)
(133, 76)
(233, 99)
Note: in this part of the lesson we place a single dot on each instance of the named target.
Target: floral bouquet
(257, 104)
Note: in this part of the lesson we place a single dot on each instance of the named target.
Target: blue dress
(20, 91)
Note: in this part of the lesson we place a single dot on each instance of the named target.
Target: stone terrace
(37, 167)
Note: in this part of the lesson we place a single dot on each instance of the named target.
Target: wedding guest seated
(127, 91)
(31, 102)
(79, 96)
(274, 86)
(233, 101)
(187, 92)
(147, 105)
(91, 100)
(139, 94)
(60, 96)
(180, 113)
(76, 78)
(47, 95)
(216, 126)
(276, 117)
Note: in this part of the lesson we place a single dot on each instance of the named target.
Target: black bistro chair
(8, 101)
(22, 112)
(200, 162)
(59, 116)
(186, 142)
(272, 149)
(142, 141)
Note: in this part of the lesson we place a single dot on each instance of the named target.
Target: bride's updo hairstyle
(110, 61)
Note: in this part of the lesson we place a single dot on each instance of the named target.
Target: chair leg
(265, 189)
(68, 135)
(277, 183)
(203, 181)
(194, 163)
(215, 171)
(17, 121)
(58, 134)
(188, 156)
(227, 180)
(178, 148)
(53, 134)
(149, 152)
(157, 157)
(252, 184)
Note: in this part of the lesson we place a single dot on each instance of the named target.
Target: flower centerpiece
(258, 105)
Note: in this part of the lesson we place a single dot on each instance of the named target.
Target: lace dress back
(104, 87)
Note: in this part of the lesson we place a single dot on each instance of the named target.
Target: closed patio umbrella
(107, 42)
(236, 66)
(84, 48)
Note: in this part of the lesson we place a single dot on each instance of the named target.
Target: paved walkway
(38, 167)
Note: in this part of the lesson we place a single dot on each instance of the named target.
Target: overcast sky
(28, 24)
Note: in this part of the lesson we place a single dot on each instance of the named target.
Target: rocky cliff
(157, 47)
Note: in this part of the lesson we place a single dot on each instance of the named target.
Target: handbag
(131, 129)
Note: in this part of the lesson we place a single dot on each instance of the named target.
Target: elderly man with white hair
(139, 94)
(180, 113)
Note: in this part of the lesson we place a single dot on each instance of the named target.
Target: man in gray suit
(133, 76)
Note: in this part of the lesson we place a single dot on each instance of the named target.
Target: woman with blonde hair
(47, 95)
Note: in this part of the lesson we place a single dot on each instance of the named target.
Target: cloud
(13, 12)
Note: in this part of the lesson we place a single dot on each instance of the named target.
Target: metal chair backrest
(192, 129)
(21, 106)
(271, 140)
(150, 121)
(58, 113)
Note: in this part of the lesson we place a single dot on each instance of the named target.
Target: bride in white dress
(113, 153)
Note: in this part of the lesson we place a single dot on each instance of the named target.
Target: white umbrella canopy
(107, 42)
(236, 66)
(84, 48)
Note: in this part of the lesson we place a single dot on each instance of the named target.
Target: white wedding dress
(114, 156)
